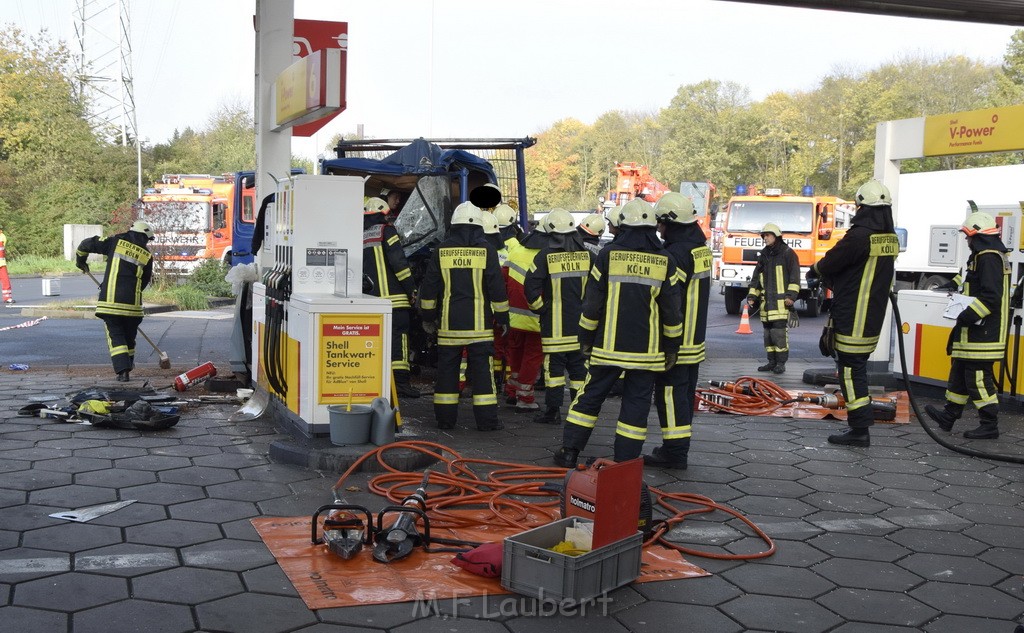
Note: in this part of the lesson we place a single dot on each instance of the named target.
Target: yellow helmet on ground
(675, 207)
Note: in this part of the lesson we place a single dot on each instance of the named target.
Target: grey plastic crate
(530, 568)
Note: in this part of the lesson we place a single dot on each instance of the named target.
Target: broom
(165, 362)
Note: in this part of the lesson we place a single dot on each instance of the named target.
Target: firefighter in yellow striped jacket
(674, 389)
(554, 287)
(461, 298)
(523, 344)
(859, 269)
(387, 272)
(129, 271)
(775, 284)
(979, 337)
(631, 322)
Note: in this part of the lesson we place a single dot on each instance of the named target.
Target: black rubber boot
(770, 365)
(942, 417)
(780, 368)
(661, 459)
(988, 429)
(122, 376)
(548, 416)
(567, 457)
(852, 437)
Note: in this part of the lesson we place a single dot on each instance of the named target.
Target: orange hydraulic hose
(461, 486)
(748, 396)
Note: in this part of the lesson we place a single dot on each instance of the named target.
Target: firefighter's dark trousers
(673, 398)
(121, 333)
(972, 380)
(556, 365)
(776, 341)
(853, 380)
(400, 345)
(478, 371)
(631, 427)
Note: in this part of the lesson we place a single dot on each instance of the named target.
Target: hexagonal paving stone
(905, 466)
(774, 580)
(904, 481)
(71, 592)
(35, 479)
(859, 546)
(173, 533)
(213, 510)
(278, 473)
(163, 493)
(34, 454)
(153, 462)
(1005, 558)
(991, 496)
(20, 620)
(659, 615)
(938, 542)
(990, 514)
(71, 443)
(12, 497)
(269, 579)
(185, 450)
(71, 537)
(112, 452)
(72, 464)
(126, 560)
(772, 613)
(115, 478)
(917, 518)
(969, 600)
(881, 607)
(771, 506)
(376, 616)
(135, 514)
(8, 539)
(946, 568)
(227, 554)
(961, 624)
(254, 613)
(867, 574)
(137, 615)
(145, 441)
(842, 502)
(198, 476)
(187, 585)
(249, 490)
(73, 496)
(23, 563)
(996, 535)
(228, 460)
(12, 465)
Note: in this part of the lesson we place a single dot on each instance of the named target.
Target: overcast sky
(468, 68)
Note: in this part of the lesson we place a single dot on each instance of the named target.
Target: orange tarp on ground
(324, 580)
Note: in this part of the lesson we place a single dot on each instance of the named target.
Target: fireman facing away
(554, 288)
(859, 269)
(775, 283)
(462, 295)
(387, 273)
(979, 337)
(129, 271)
(631, 322)
(674, 389)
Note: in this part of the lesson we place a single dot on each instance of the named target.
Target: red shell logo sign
(311, 36)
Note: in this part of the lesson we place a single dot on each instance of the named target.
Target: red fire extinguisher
(195, 376)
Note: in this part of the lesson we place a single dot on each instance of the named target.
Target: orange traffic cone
(744, 327)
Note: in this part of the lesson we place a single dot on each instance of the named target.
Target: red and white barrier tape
(25, 324)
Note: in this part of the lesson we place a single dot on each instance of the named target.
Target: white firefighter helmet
(593, 224)
(490, 223)
(373, 206)
(675, 207)
(979, 222)
(141, 226)
(559, 221)
(467, 213)
(773, 229)
(506, 215)
(873, 194)
(636, 212)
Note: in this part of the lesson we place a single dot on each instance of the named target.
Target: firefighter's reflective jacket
(688, 247)
(983, 324)
(384, 262)
(129, 270)
(554, 287)
(776, 278)
(631, 309)
(859, 269)
(3, 248)
(463, 290)
(520, 258)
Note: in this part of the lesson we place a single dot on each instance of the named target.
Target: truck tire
(932, 281)
(734, 298)
(813, 303)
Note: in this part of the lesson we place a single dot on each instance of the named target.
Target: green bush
(188, 298)
(208, 278)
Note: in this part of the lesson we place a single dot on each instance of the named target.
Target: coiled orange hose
(503, 488)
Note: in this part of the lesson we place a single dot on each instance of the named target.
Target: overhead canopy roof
(1008, 12)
